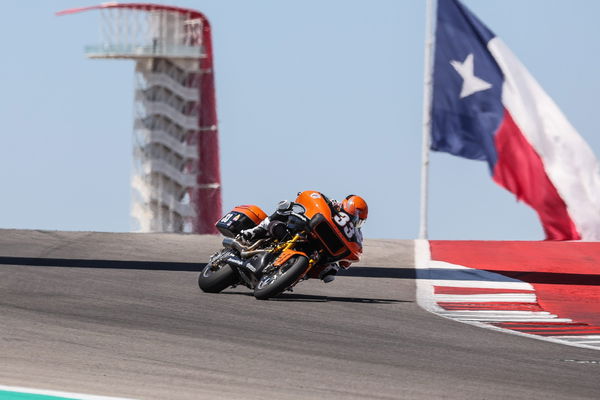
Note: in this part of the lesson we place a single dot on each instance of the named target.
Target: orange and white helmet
(357, 207)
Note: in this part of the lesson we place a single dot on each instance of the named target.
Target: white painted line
(578, 337)
(460, 276)
(588, 342)
(499, 312)
(482, 284)
(425, 289)
(445, 265)
(512, 319)
(529, 335)
(488, 298)
(56, 393)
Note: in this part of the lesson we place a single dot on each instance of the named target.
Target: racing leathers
(260, 231)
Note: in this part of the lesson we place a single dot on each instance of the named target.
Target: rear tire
(213, 280)
(274, 283)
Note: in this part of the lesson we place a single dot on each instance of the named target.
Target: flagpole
(427, 94)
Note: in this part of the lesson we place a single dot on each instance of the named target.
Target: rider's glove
(336, 204)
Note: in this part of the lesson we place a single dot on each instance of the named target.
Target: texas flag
(486, 106)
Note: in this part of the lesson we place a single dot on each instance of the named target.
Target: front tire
(275, 282)
(214, 279)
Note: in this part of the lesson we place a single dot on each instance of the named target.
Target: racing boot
(329, 272)
(252, 234)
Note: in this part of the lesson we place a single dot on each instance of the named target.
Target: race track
(122, 315)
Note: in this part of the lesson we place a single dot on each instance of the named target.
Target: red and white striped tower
(176, 181)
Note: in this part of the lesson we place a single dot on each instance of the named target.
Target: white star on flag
(471, 83)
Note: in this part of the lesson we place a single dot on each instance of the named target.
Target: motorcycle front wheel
(276, 281)
(215, 278)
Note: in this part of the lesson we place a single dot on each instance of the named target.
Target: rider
(355, 206)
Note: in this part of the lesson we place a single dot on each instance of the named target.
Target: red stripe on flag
(520, 170)
(475, 290)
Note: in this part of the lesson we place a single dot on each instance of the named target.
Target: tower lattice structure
(176, 177)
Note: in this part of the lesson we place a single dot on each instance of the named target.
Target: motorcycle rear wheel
(216, 279)
(274, 283)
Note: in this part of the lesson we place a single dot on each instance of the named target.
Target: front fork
(287, 252)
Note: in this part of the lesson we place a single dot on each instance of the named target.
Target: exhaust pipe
(231, 243)
(244, 251)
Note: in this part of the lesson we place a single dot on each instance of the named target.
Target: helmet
(357, 207)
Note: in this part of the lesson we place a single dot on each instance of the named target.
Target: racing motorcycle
(304, 237)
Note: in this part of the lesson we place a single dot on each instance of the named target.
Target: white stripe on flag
(568, 160)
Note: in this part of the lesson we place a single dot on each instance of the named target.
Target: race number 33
(343, 220)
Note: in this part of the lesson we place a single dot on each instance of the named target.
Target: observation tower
(176, 180)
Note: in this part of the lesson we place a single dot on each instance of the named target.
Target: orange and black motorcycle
(307, 234)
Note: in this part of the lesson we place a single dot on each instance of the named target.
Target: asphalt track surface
(122, 315)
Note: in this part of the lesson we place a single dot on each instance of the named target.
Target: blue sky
(332, 89)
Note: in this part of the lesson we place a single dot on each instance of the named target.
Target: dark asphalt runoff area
(120, 314)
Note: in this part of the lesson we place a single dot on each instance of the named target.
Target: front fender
(286, 255)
